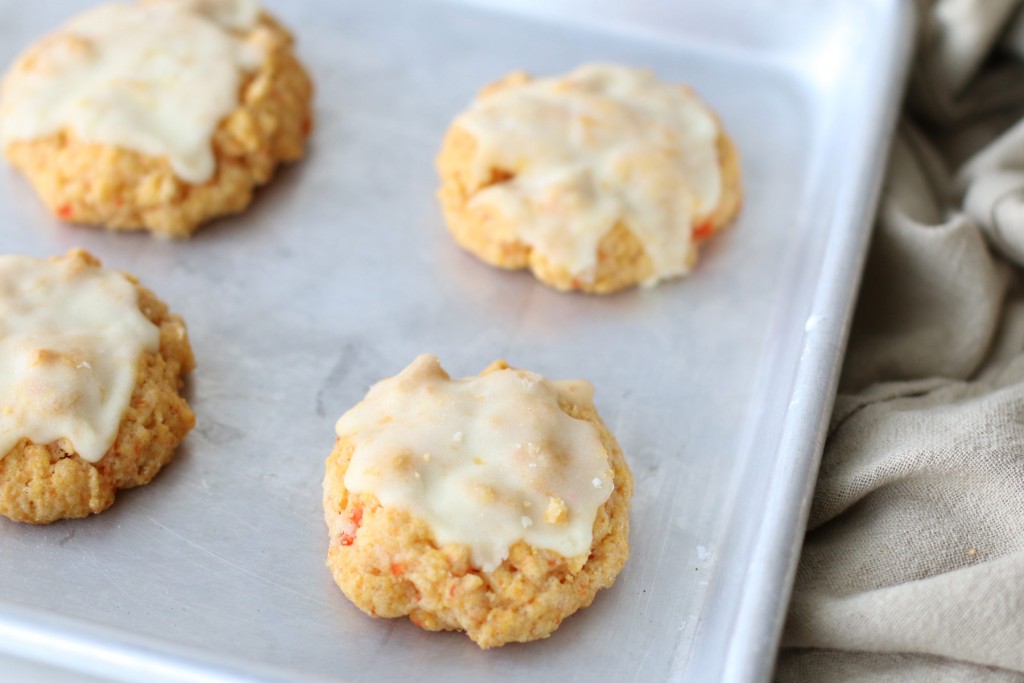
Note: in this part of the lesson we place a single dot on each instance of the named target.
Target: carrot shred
(703, 231)
(348, 534)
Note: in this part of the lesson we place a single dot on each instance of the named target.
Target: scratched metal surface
(717, 386)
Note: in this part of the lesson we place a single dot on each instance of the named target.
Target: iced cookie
(156, 115)
(496, 505)
(91, 364)
(595, 181)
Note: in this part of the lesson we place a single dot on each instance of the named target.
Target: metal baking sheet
(717, 386)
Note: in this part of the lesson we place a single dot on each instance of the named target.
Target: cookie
(596, 181)
(497, 505)
(91, 365)
(156, 115)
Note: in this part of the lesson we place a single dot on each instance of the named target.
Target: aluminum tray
(717, 386)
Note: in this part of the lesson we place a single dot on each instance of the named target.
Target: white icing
(71, 336)
(484, 461)
(154, 77)
(235, 15)
(603, 145)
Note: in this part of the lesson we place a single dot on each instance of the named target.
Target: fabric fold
(932, 292)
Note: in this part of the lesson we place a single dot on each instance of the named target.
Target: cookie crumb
(557, 512)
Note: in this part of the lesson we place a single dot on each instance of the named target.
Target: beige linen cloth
(913, 563)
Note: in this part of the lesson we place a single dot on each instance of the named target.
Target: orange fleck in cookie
(156, 115)
(497, 505)
(596, 181)
(91, 364)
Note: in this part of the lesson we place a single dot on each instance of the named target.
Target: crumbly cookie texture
(42, 483)
(389, 563)
(598, 150)
(86, 182)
